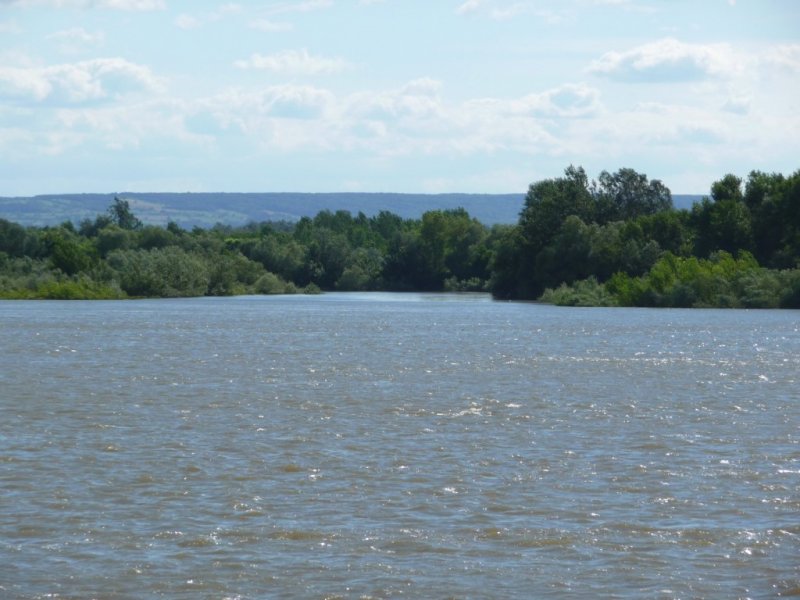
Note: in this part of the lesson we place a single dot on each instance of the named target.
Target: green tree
(67, 252)
(774, 202)
(547, 205)
(327, 257)
(386, 225)
(669, 229)
(155, 237)
(432, 248)
(90, 229)
(506, 245)
(404, 267)
(12, 238)
(729, 188)
(121, 215)
(549, 202)
(725, 222)
(627, 194)
(111, 238)
(363, 271)
(566, 258)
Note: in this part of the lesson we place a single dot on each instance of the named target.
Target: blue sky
(392, 95)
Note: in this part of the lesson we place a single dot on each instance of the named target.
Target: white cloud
(67, 130)
(561, 104)
(275, 118)
(417, 120)
(786, 56)
(418, 98)
(569, 101)
(489, 126)
(151, 123)
(665, 135)
(667, 60)
(246, 109)
(295, 102)
(297, 106)
(564, 124)
(87, 81)
(24, 83)
(411, 120)
(293, 61)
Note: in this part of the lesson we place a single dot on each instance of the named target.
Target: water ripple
(373, 446)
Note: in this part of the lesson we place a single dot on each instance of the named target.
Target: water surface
(390, 445)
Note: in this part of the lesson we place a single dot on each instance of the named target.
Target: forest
(613, 241)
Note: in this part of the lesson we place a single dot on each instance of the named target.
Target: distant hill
(207, 209)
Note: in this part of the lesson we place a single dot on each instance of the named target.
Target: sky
(417, 96)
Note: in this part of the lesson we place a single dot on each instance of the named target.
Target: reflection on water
(387, 445)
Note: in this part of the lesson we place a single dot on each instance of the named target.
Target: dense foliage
(614, 241)
(618, 241)
(116, 256)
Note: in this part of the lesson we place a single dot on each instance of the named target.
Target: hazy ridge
(206, 209)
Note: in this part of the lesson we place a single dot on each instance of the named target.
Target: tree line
(612, 241)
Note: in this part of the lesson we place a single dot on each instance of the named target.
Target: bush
(165, 272)
(586, 292)
(269, 283)
(720, 281)
(81, 289)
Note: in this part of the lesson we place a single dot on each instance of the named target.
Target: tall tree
(725, 223)
(627, 194)
(547, 205)
(121, 214)
(729, 188)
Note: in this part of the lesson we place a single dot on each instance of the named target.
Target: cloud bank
(86, 81)
(667, 60)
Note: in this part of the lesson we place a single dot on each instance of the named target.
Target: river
(396, 445)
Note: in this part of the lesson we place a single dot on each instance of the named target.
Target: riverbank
(577, 242)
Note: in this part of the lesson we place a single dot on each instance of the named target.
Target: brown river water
(396, 446)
